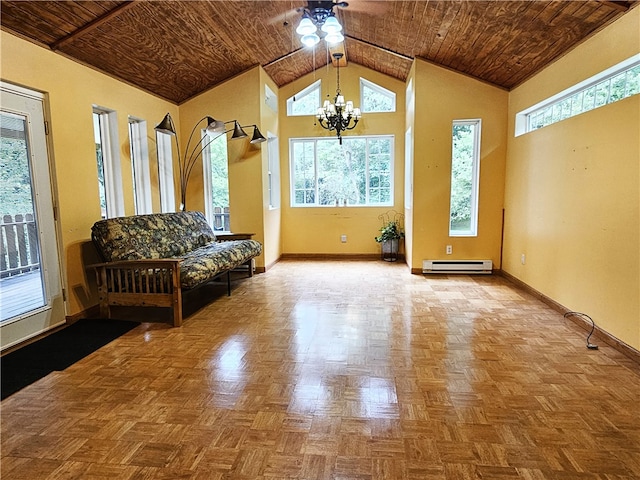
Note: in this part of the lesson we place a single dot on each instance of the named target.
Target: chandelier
(319, 14)
(339, 115)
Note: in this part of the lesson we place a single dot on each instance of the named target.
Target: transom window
(306, 101)
(358, 172)
(374, 98)
(616, 83)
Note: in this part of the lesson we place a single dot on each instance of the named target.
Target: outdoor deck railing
(221, 219)
(19, 245)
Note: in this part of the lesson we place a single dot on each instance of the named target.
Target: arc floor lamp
(214, 129)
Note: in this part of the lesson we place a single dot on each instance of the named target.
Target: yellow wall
(441, 97)
(272, 216)
(72, 90)
(317, 230)
(237, 98)
(572, 191)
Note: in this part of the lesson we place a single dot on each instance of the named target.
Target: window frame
(475, 181)
(165, 173)
(112, 174)
(315, 141)
(524, 118)
(139, 150)
(207, 143)
(315, 86)
(364, 83)
(273, 171)
(270, 98)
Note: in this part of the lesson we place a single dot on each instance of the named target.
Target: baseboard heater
(457, 266)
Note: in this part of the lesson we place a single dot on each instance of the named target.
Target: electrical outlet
(449, 249)
(343, 238)
(523, 259)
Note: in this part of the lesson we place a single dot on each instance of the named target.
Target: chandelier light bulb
(306, 27)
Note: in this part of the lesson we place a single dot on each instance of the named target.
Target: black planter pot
(389, 250)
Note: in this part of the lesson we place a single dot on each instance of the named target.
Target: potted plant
(390, 235)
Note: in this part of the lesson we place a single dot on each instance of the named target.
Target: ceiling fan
(320, 11)
(319, 16)
(323, 8)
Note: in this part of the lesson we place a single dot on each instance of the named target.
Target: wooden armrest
(226, 237)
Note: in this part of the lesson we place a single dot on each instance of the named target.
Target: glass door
(30, 287)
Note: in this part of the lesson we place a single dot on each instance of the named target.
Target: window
(270, 98)
(374, 98)
(358, 172)
(305, 102)
(165, 173)
(139, 150)
(105, 132)
(618, 82)
(465, 167)
(273, 153)
(216, 183)
(408, 168)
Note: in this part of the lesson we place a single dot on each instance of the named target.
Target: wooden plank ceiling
(177, 49)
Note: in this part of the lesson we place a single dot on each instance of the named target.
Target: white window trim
(408, 169)
(302, 93)
(165, 173)
(315, 165)
(207, 177)
(475, 184)
(381, 90)
(270, 98)
(522, 118)
(111, 161)
(273, 171)
(140, 161)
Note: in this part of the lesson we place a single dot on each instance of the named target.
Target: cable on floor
(590, 345)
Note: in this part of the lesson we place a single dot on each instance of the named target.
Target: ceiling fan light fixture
(334, 38)
(306, 27)
(310, 40)
(331, 25)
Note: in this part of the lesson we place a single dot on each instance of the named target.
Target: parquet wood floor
(338, 370)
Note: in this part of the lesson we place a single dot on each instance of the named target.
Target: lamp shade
(334, 38)
(215, 126)
(306, 27)
(166, 126)
(310, 40)
(238, 132)
(331, 25)
(257, 136)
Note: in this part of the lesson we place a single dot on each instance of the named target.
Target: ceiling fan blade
(291, 14)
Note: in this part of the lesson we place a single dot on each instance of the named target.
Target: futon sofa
(150, 259)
